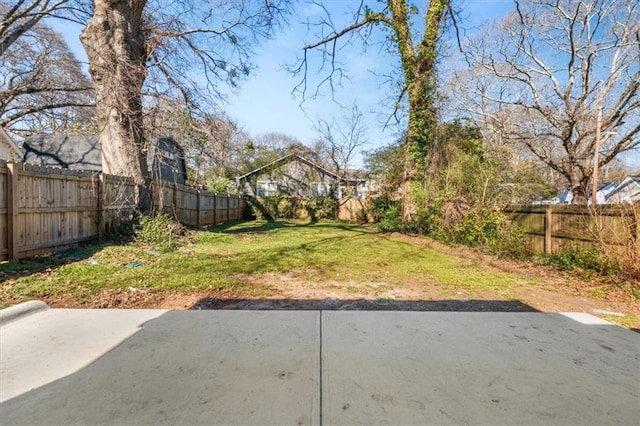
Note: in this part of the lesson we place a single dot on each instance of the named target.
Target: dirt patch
(556, 292)
(463, 305)
(287, 291)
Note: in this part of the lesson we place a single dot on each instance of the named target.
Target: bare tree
(21, 16)
(417, 53)
(343, 138)
(543, 76)
(268, 147)
(42, 85)
(218, 151)
(128, 40)
(213, 143)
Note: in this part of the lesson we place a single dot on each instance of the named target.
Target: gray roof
(626, 188)
(295, 157)
(82, 152)
(70, 152)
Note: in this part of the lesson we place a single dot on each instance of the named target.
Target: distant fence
(48, 209)
(556, 228)
(354, 210)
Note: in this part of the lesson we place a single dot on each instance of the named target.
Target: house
(295, 176)
(604, 189)
(566, 196)
(627, 192)
(82, 152)
(9, 151)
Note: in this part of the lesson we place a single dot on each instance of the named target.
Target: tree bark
(115, 44)
(578, 183)
(419, 66)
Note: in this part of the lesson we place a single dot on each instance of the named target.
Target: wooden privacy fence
(47, 209)
(556, 228)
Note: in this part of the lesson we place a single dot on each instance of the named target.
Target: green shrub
(269, 206)
(479, 229)
(221, 184)
(380, 206)
(391, 220)
(122, 231)
(511, 242)
(159, 230)
(286, 208)
(322, 208)
(429, 220)
(577, 257)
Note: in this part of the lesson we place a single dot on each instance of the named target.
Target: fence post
(100, 203)
(175, 201)
(198, 221)
(228, 207)
(215, 209)
(634, 227)
(236, 211)
(548, 219)
(12, 211)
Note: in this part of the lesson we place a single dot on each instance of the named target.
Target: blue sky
(264, 103)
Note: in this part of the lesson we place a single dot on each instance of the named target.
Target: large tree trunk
(115, 44)
(579, 184)
(420, 138)
(419, 66)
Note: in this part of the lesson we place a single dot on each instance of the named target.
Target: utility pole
(596, 154)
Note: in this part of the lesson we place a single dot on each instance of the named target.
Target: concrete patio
(62, 366)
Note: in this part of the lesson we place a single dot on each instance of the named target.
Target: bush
(160, 231)
(321, 208)
(286, 207)
(576, 257)
(122, 231)
(511, 242)
(429, 220)
(479, 229)
(221, 184)
(391, 220)
(380, 206)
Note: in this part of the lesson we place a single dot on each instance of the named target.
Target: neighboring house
(627, 192)
(294, 175)
(566, 196)
(165, 158)
(604, 189)
(9, 151)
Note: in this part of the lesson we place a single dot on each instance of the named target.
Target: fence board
(552, 229)
(4, 211)
(53, 207)
(46, 209)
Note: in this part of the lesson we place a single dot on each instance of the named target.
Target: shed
(82, 152)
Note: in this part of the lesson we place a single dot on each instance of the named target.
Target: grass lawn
(284, 260)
